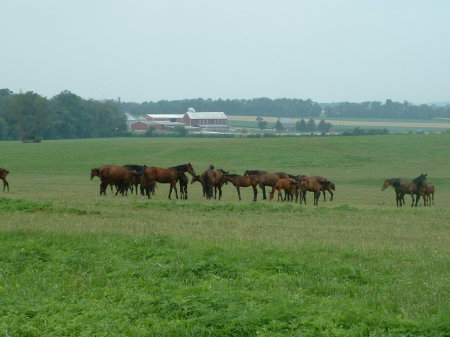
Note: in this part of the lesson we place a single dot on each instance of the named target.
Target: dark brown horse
(284, 184)
(266, 178)
(3, 175)
(211, 178)
(169, 175)
(183, 182)
(243, 181)
(428, 194)
(412, 187)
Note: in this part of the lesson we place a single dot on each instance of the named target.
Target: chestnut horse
(169, 175)
(266, 178)
(3, 175)
(120, 176)
(285, 184)
(428, 194)
(243, 181)
(312, 184)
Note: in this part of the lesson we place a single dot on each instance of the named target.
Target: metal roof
(165, 115)
(206, 115)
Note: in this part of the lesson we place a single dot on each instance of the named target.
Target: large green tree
(31, 113)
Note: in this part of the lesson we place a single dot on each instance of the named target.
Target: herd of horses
(131, 177)
(287, 186)
(144, 178)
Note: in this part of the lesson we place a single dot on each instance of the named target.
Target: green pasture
(73, 263)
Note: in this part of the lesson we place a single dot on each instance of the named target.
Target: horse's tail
(207, 186)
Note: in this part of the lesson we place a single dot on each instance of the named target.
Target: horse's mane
(179, 167)
(250, 172)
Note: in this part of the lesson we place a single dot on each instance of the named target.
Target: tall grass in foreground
(73, 263)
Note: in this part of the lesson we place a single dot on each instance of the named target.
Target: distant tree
(262, 124)
(150, 131)
(324, 126)
(180, 130)
(31, 112)
(300, 125)
(311, 125)
(278, 126)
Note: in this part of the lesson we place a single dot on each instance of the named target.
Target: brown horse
(120, 176)
(412, 187)
(211, 178)
(395, 183)
(169, 175)
(428, 194)
(311, 184)
(243, 181)
(266, 178)
(3, 175)
(285, 184)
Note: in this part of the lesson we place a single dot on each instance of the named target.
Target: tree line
(31, 117)
(295, 108)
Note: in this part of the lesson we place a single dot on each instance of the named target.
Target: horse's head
(95, 172)
(386, 184)
(195, 178)
(333, 186)
(421, 180)
(190, 170)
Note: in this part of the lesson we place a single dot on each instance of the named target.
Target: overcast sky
(138, 50)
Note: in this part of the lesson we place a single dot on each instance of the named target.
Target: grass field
(73, 263)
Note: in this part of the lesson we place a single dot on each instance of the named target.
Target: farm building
(206, 120)
(287, 123)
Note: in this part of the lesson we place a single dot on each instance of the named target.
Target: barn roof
(206, 115)
(165, 115)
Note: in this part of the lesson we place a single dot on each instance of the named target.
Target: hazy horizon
(326, 51)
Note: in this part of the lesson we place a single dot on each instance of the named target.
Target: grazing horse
(330, 188)
(266, 178)
(169, 175)
(312, 184)
(243, 181)
(411, 187)
(3, 175)
(395, 183)
(120, 176)
(285, 184)
(428, 194)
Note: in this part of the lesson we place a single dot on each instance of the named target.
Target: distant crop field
(397, 125)
(74, 263)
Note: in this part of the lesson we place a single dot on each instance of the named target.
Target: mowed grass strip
(74, 263)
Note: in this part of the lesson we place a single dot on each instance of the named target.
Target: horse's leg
(332, 195)
(324, 195)
(263, 187)
(220, 191)
(175, 188)
(239, 192)
(255, 192)
(316, 198)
